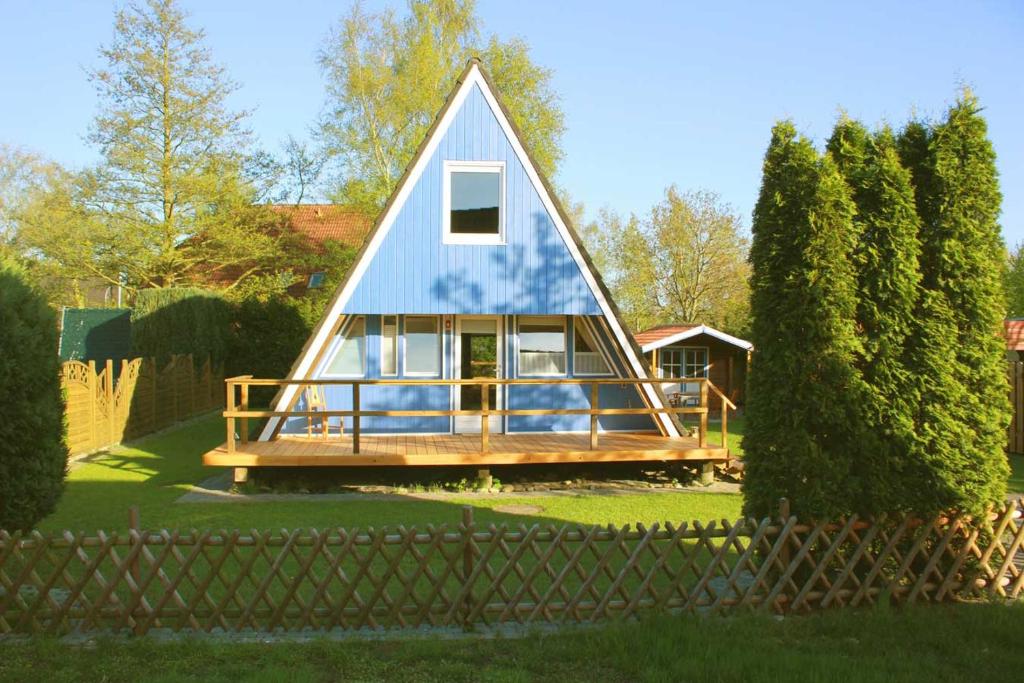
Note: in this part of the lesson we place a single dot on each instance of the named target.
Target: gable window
(541, 346)
(389, 345)
(474, 197)
(422, 345)
(349, 358)
(587, 358)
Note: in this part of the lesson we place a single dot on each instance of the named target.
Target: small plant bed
(503, 479)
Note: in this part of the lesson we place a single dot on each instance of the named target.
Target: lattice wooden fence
(470, 574)
(102, 411)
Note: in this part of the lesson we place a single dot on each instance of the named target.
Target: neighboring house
(692, 350)
(1013, 330)
(471, 271)
(314, 224)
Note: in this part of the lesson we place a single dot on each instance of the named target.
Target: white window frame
(394, 348)
(446, 201)
(705, 370)
(578, 323)
(541, 320)
(342, 334)
(405, 348)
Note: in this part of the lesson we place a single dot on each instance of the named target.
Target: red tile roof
(322, 222)
(1014, 332)
(661, 332)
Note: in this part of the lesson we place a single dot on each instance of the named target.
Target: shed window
(684, 362)
(587, 358)
(422, 345)
(350, 357)
(474, 195)
(389, 345)
(541, 346)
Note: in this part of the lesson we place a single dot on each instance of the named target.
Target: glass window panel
(422, 345)
(350, 358)
(475, 202)
(541, 346)
(587, 358)
(389, 345)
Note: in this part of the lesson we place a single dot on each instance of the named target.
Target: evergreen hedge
(181, 320)
(33, 457)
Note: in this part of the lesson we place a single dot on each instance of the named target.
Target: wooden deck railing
(237, 404)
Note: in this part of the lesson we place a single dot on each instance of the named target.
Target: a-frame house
(472, 272)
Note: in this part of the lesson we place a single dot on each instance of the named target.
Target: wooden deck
(461, 449)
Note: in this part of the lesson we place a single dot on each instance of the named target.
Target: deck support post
(594, 393)
(240, 475)
(484, 478)
(485, 417)
(707, 473)
(230, 407)
(355, 419)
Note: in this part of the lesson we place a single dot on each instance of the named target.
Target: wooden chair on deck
(316, 401)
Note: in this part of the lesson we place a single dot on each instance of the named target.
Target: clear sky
(654, 92)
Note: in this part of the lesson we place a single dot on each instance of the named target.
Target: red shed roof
(663, 335)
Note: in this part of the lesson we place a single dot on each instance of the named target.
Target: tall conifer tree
(886, 260)
(803, 425)
(961, 252)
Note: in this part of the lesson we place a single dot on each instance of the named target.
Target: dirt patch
(519, 509)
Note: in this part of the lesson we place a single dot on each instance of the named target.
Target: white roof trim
(473, 77)
(700, 329)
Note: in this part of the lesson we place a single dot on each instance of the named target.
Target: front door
(478, 353)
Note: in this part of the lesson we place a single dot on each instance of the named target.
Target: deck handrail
(240, 410)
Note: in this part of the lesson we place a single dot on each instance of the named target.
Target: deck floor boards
(460, 449)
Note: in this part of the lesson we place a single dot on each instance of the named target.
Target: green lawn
(155, 472)
(734, 427)
(934, 643)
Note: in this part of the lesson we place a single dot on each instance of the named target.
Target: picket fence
(103, 409)
(469, 575)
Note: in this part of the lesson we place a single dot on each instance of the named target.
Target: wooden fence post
(93, 401)
(784, 515)
(467, 561)
(191, 385)
(109, 397)
(134, 533)
(173, 367)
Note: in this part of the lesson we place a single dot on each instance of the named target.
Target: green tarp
(96, 334)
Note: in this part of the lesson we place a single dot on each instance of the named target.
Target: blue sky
(654, 92)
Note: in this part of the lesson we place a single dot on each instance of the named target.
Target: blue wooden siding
(441, 397)
(415, 272)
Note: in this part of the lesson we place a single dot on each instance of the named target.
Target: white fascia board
(689, 334)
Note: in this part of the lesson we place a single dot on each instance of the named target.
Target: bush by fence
(466, 575)
(102, 411)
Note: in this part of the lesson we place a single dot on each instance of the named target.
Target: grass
(935, 643)
(155, 472)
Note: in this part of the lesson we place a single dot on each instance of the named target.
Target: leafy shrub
(33, 457)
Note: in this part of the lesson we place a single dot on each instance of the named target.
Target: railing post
(703, 432)
(485, 421)
(355, 418)
(245, 407)
(229, 407)
(467, 561)
(594, 393)
(725, 423)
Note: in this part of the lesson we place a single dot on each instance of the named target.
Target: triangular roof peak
(473, 75)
